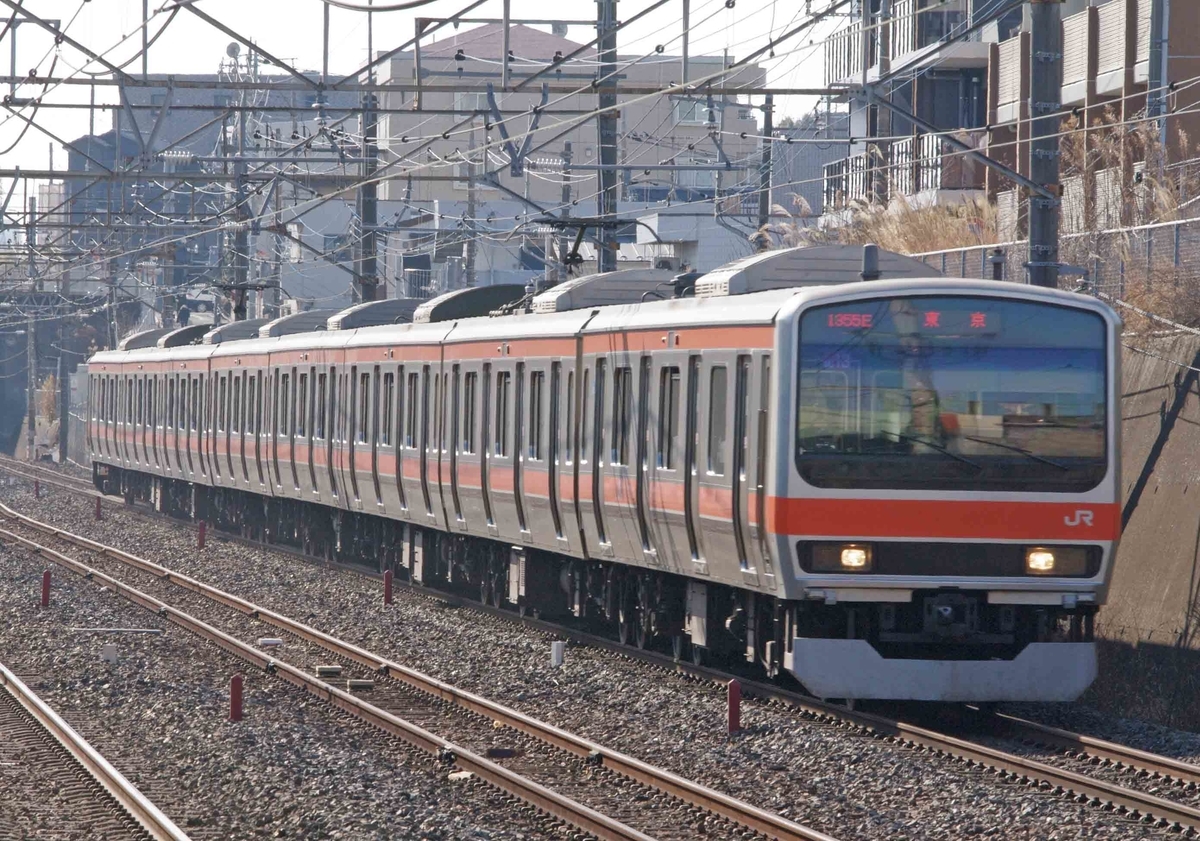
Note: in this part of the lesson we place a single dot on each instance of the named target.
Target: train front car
(952, 488)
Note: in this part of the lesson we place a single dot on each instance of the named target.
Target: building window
(692, 112)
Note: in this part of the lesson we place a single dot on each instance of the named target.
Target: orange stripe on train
(963, 519)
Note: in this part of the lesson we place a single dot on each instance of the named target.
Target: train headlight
(1056, 560)
(842, 557)
(1039, 561)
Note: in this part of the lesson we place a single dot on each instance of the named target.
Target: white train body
(891, 489)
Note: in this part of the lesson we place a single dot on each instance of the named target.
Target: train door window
(537, 418)
(485, 431)
(374, 436)
(237, 404)
(585, 417)
(364, 408)
(598, 445)
(194, 412)
(668, 417)
(140, 416)
(553, 437)
(468, 412)
(718, 399)
(501, 443)
(388, 405)
(569, 441)
(171, 403)
(414, 408)
(427, 411)
(741, 437)
(221, 405)
(319, 414)
(518, 432)
(455, 398)
(302, 406)
(691, 443)
(622, 400)
(760, 466)
(285, 386)
(331, 428)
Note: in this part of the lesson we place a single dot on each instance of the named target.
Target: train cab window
(668, 418)
(364, 408)
(537, 388)
(718, 397)
(622, 400)
(302, 406)
(319, 414)
(410, 422)
(502, 384)
(468, 411)
(388, 405)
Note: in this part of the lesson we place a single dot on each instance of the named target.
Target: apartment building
(980, 85)
(652, 130)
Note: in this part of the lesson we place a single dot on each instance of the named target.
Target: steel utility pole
(1045, 74)
(469, 226)
(565, 211)
(30, 335)
(241, 240)
(764, 177)
(368, 206)
(606, 128)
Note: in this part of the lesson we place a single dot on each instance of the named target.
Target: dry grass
(1148, 681)
(898, 227)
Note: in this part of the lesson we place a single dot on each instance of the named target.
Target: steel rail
(125, 793)
(1122, 755)
(533, 793)
(742, 813)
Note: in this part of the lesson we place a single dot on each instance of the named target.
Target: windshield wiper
(1020, 450)
(934, 446)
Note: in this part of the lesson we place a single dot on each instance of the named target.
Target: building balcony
(920, 169)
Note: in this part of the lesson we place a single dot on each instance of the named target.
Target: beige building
(677, 131)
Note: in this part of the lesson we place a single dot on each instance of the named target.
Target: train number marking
(1082, 517)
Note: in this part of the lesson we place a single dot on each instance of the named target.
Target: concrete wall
(1154, 594)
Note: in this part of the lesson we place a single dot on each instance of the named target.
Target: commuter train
(896, 488)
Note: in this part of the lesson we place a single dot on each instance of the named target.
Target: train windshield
(956, 393)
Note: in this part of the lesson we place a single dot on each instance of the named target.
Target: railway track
(69, 783)
(601, 791)
(1141, 769)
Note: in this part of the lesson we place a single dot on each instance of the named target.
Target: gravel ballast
(819, 774)
(293, 767)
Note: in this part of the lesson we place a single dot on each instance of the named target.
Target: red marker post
(46, 588)
(200, 535)
(387, 586)
(735, 706)
(37, 489)
(98, 517)
(235, 698)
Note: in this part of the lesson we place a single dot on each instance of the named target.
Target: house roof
(487, 41)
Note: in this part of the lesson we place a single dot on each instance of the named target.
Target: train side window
(569, 448)
(302, 405)
(585, 417)
(502, 381)
(285, 384)
(410, 423)
(389, 401)
(364, 407)
(668, 417)
(468, 412)
(537, 388)
(319, 414)
(622, 400)
(718, 398)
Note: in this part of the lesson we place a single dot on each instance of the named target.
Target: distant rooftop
(487, 41)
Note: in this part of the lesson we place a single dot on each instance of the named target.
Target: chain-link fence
(1166, 252)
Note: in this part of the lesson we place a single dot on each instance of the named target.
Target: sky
(292, 30)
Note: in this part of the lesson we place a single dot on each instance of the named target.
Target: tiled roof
(488, 42)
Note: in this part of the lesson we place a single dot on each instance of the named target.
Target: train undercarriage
(941, 636)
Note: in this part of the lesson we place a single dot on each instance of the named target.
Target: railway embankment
(1150, 653)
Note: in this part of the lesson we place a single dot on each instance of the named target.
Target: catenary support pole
(367, 283)
(764, 177)
(1045, 74)
(606, 129)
